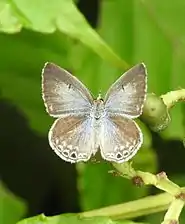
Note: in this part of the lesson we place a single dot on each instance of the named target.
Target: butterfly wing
(63, 93)
(120, 139)
(126, 96)
(72, 138)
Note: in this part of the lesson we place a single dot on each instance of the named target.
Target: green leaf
(70, 219)
(12, 208)
(9, 23)
(57, 15)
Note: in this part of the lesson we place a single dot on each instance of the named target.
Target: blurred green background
(34, 32)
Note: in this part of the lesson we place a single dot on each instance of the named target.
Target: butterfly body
(84, 125)
(98, 109)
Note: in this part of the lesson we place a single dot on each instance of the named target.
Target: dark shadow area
(170, 154)
(90, 9)
(31, 170)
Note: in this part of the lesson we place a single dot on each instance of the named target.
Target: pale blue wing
(126, 96)
(63, 93)
(73, 138)
(120, 139)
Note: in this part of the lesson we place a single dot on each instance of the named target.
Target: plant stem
(175, 197)
(173, 213)
(172, 97)
(132, 209)
(160, 181)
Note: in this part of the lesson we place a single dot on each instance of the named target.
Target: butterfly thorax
(98, 109)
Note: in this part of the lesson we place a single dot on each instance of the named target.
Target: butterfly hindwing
(72, 138)
(120, 139)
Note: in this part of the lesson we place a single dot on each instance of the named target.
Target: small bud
(138, 181)
(162, 175)
(155, 113)
(181, 196)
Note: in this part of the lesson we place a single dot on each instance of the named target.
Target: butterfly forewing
(63, 93)
(126, 96)
(72, 138)
(120, 139)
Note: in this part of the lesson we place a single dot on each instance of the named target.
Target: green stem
(173, 213)
(160, 180)
(146, 205)
(171, 98)
(132, 209)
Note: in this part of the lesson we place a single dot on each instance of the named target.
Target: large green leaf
(58, 14)
(9, 22)
(70, 219)
(12, 208)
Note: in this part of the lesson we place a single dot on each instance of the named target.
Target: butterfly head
(98, 109)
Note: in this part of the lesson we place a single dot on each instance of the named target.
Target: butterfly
(84, 124)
